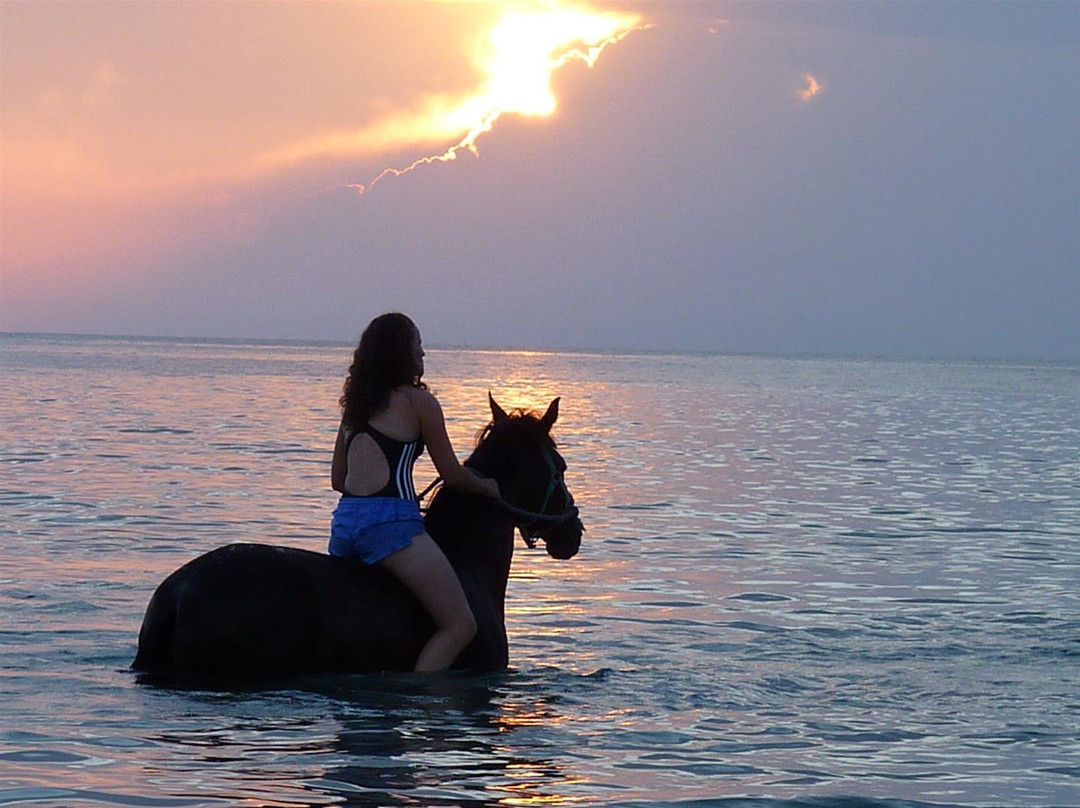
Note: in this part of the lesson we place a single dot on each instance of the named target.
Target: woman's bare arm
(433, 430)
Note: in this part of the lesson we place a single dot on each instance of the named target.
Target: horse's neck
(474, 536)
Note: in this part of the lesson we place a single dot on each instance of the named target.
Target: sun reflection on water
(529, 781)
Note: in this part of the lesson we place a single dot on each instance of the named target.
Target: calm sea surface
(804, 582)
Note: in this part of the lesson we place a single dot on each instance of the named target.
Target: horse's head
(517, 450)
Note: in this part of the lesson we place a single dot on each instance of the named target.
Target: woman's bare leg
(424, 569)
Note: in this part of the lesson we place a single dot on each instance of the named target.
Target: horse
(256, 611)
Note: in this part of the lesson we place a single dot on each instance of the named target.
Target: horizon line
(579, 350)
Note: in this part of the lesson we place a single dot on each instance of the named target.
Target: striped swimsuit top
(400, 459)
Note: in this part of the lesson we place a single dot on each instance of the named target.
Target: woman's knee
(461, 624)
(468, 626)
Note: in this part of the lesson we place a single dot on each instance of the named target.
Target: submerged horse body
(256, 610)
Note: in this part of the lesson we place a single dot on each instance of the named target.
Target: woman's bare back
(367, 470)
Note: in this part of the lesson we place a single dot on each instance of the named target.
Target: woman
(388, 417)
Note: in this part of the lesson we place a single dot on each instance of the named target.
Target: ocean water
(804, 582)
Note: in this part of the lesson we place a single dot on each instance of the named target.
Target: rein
(554, 520)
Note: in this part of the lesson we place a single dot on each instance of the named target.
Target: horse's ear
(552, 414)
(497, 412)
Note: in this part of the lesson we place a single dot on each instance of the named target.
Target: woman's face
(418, 354)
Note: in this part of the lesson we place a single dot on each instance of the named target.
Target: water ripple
(842, 584)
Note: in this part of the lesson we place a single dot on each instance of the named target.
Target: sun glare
(527, 44)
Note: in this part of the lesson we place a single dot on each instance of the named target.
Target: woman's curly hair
(382, 361)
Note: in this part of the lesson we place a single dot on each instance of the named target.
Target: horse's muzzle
(565, 540)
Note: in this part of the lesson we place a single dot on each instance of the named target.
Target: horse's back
(253, 610)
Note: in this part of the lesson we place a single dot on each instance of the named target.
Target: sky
(882, 179)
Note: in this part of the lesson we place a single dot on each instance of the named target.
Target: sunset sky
(839, 178)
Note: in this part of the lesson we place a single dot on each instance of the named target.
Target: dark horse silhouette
(257, 611)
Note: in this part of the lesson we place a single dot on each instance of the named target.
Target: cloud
(717, 25)
(115, 160)
(812, 89)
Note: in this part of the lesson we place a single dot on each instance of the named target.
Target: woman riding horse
(255, 611)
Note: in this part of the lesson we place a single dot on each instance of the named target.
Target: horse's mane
(520, 426)
(518, 414)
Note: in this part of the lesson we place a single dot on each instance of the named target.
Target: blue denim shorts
(373, 527)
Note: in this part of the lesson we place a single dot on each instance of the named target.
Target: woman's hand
(490, 487)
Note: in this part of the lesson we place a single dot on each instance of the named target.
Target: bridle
(542, 517)
(532, 519)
